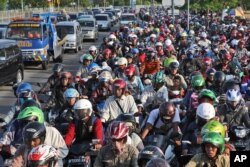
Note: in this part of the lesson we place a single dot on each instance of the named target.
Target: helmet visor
(82, 113)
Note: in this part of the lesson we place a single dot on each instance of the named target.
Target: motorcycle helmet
(30, 114)
(130, 70)
(148, 153)
(34, 130)
(206, 93)
(197, 82)
(93, 66)
(210, 72)
(71, 93)
(122, 61)
(24, 86)
(135, 51)
(157, 162)
(231, 84)
(213, 126)
(128, 119)
(105, 39)
(158, 44)
(159, 78)
(174, 65)
(118, 130)
(167, 112)
(219, 78)
(107, 53)
(30, 103)
(58, 67)
(86, 57)
(83, 109)
(105, 76)
(215, 139)
(42, 155)
(92, 49)
(168, 42)
(233, 95)
(120, 84)
(204, 113)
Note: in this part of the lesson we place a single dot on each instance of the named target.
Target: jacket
(201, 160)
(107, 157)
(53, 138)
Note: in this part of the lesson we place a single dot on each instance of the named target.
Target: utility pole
(22, 5)
(188, 15)
(173, 10)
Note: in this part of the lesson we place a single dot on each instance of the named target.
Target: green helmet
(159, 77)
(156, 30)
(86, 57)
(214, 139)
(168, 61)
(197, 81)
(213, 126)
(31, 113)
(207, 93)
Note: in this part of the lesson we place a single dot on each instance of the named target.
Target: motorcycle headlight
(241, 133)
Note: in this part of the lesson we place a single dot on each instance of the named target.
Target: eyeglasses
(117, 140)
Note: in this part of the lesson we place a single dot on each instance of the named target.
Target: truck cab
(37, 40)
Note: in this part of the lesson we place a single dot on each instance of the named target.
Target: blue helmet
(134, 51)
(24, 86)
(71, 93)
(93, 66)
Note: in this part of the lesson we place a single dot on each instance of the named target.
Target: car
(103, 21)
(11, 63)
(71, 31)
(127, 18)
(111, 16)
(86, 17)
(89, 28)
(73, 16)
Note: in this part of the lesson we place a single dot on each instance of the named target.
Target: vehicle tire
(19, 76)
(45, 65)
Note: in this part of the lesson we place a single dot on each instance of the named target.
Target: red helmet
(207, 60)
(227, 56)
(120, 83)
(118, 130)
(106, 52)
(161, 39)
(130, 70)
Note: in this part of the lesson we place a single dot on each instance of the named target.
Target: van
(11, 63)
(71, 31)
(103, 21)
(89, 28)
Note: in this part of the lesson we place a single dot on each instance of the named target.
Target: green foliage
(3, 4)
(212, 5)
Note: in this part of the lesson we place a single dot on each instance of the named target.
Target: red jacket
(97, 132)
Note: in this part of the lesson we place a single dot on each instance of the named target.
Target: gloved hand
(222, 99)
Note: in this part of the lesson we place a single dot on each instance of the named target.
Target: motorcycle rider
(13, 136)
(119, 102)
(86, 126)
(219, 79)
(117, 152)
(85, 60)
(156, 93)
(93, 52)
(213, 147)
(133, 137)
(43, 155)
(54, 79)
(204, 113)
(234, 111)
(161, 120)
(34, 134)
(209, 77)
(134, 83)
(148, 153)
(119, 72)
(57, 98)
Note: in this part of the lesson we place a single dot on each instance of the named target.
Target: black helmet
(30, 103)
(34, 130)
(125, 117)
(219, 77)
(148, 153)
(174, 65)
(231, 84)
(157, 162)
(58, 67)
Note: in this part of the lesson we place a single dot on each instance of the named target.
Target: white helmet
(122, 61)
(92, 48)
(191, 32)
(112, 37)
(168, 42)
(83, 105)
(233, 95)
(152, 36)
(42, 155)
(204, 35)
(205, 111)
(105, 76)
(158, 44)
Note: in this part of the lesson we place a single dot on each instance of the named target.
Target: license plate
(78, 160)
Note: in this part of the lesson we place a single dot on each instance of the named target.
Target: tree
(212, 5)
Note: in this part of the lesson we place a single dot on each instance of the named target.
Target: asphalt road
(34, 74)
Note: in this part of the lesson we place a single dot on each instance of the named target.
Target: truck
(37, 39)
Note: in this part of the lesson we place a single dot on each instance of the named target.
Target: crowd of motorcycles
(218, 51)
